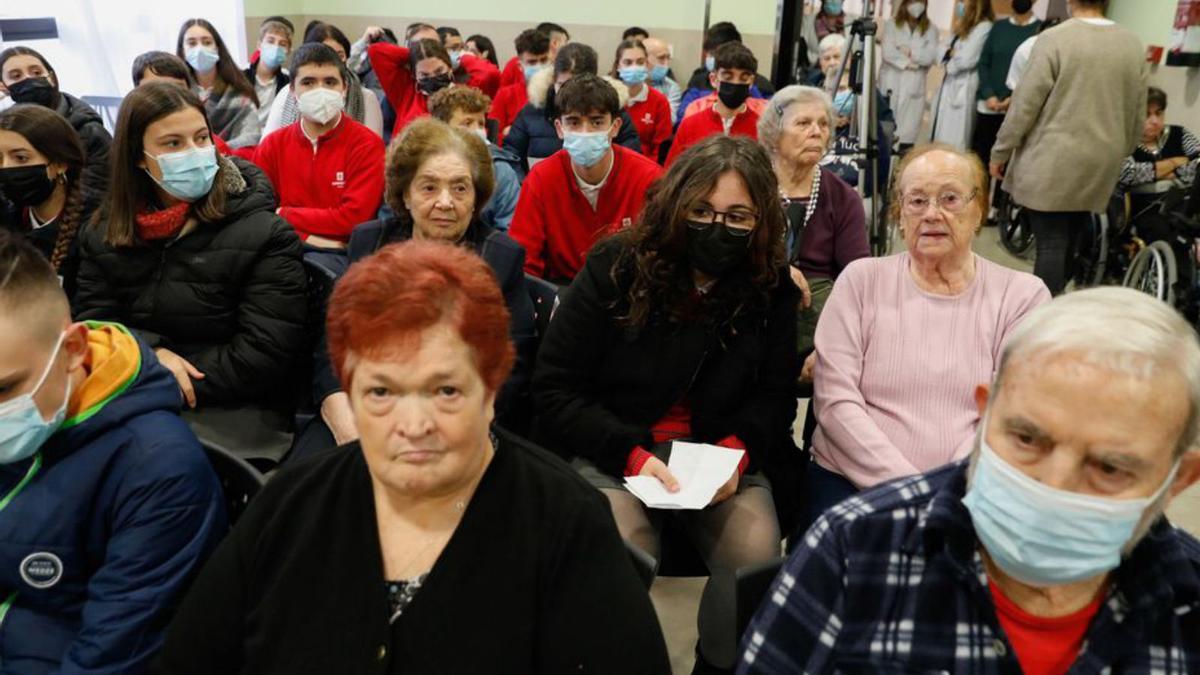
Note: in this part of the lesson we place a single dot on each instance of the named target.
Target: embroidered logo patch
(41, 570)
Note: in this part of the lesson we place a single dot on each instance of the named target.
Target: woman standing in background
(954, 118)
(910, 45)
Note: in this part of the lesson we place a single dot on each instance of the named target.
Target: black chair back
(753, 583)
(644, 563)
(545, 301)
(239, 480)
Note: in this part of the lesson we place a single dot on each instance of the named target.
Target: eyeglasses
(949, 201)
(738, 222)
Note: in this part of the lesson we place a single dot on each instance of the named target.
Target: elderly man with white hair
(1046, 551)
(658, 58)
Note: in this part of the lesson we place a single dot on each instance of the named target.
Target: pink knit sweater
(897, 367)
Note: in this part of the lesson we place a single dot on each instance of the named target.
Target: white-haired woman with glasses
(904, 340)
(826, 226)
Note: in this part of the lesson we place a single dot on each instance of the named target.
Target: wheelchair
(1016, 234)
(1168, 267)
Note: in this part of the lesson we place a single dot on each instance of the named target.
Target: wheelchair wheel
(1016, 234)
(1153, 271)
(1091, 256)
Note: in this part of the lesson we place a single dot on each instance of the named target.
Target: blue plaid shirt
(892, 581)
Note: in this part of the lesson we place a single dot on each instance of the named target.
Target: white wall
(98, 39)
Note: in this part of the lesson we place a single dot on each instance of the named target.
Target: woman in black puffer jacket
(189, 253)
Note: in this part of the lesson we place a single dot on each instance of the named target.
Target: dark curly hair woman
(683, 327)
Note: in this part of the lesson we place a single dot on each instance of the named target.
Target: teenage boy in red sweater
(327, 169)
(583, 192)
(533, 50)
(726, 110)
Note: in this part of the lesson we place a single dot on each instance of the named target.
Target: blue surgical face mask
(1043, 536)
(22, 429)
(833, 6)
(455, 57)
(960, 8)
(272, 56)
(202, 59)
(658, 74)
(843, 103)
(586, 149)
(710, 63)
(632, 75)
(530, 71)
(186, 175)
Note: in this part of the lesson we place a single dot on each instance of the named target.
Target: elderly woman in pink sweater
(904, 340)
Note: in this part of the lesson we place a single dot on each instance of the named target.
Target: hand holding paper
(701, 470)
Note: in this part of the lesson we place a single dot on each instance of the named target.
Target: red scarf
(162, 224)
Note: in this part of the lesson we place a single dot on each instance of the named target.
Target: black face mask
(733, 95)
(26, 185)
(37, 90)
(1022, 6)
(432, 85)
(712, 249)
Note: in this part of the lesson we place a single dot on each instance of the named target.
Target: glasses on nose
(737, 222)
(950, 201)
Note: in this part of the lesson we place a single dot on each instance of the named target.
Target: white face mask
(480, 132)
(916, 9)
(321, 105)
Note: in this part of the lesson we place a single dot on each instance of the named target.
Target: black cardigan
(535, 580)
(599, 387)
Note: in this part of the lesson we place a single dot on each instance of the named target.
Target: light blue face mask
(960, 8)
(202, 59)
(186, 175)
(530, 71)
(632, 75)
(843, 103)
(586, 149)
(833, 6)
(658, 74)
(455, 57)
(22, 429)
(272, 56)
(1043, 536)
(710, 63)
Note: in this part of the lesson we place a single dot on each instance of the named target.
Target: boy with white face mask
(585, 191)
(107, 503)
(327, 169)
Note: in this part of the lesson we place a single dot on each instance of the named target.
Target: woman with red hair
(433, 532)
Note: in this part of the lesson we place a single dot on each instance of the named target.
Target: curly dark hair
(662, 280)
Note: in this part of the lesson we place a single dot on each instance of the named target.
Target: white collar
(641, 96)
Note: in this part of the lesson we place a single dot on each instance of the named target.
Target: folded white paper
(701, 470)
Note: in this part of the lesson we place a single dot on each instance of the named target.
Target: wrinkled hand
(802, 284)
(727, 490)
(996, 169)
(655, 467)
(806, 371)
(183, 371)
(336, 412)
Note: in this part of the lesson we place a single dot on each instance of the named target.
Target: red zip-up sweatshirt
(390, 63)
(326, 187)
(513, 73)
(557, 225)
(507, 106)
(705, 123)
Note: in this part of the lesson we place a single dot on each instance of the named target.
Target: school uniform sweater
(325, 187)
(557, 225)
(390, 63)
(507, 105)
(701, 125)
(651, 114)
(513, 73)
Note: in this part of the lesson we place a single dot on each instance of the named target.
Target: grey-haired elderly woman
(826, 223)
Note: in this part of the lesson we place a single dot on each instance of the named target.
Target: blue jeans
(823, 489)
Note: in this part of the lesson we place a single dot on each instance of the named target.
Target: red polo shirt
(328, 186)
(705, 123)
(652, 118)
(557, 225)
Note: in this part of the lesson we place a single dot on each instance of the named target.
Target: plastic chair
(239, 480)
(753, 583)
(644, 563)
